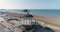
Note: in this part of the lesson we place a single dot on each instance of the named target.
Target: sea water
(54, 13)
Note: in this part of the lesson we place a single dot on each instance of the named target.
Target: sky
(29, 4)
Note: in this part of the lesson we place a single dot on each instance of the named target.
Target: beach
(50, 22)
(44, 21)
(40, 18)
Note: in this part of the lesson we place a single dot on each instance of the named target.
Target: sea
(53, 13)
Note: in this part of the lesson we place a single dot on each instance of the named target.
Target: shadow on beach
(36, 28)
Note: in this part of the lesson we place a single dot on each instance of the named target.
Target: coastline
(40, 18)
(49, 22)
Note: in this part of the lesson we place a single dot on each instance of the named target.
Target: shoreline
(48, 22)
(40, 18)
